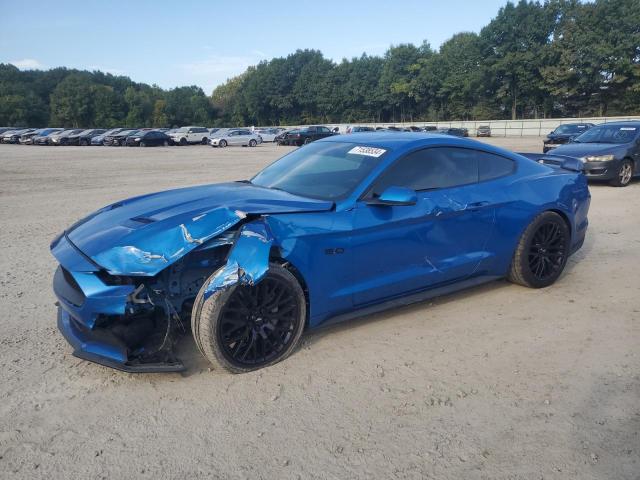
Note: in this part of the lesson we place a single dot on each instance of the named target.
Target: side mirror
(396, 196)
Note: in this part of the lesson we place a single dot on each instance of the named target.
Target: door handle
(477, 205)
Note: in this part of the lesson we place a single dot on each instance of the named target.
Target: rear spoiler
(562, 161)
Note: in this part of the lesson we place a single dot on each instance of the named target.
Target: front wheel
(244, 328)
(307, 141)
(222, 143)
(183, 141)
(142, 144)
(252, 143)
(624, 175)
(542, 252)
(204, 141)
(165, 143)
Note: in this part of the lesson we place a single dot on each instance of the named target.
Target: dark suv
(302, 136)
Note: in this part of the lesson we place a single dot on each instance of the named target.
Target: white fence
(499, 128)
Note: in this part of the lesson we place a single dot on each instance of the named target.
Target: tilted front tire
(244, 328)
(542, 252)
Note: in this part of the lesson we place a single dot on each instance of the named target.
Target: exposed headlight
(599, 158)
(137, 139)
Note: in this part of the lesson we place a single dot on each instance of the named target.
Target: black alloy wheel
(547, 251)
(542, 251)
(258, 323)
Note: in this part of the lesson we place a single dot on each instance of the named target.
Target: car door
(441, 239)
(232, 138)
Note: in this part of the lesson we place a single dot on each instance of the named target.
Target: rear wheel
(624, 174)
(245, 328)
(203, 141)
(542, 252)
(307, 141)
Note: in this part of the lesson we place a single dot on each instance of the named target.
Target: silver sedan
(235, 137)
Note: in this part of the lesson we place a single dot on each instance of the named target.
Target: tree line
(560, 58)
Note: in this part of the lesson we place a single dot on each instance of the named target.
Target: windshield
(182, 130)
(608, 134)
(564, 129)
(324, 170)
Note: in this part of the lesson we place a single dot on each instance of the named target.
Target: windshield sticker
(628, 128)
(368, 151)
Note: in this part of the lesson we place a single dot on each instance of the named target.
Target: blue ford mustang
(342, 227)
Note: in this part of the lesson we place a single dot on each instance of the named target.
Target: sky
(201, 43)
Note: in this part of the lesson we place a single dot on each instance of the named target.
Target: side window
(493, 166)
(431, 168)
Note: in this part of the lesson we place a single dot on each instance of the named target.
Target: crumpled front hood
(582, 149)
(144, 235)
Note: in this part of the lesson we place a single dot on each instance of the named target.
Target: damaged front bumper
(102, 322)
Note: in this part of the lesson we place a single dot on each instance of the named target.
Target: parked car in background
(483, 131)
(4, 130)
(62, 138)
(429, 128)
(564, 134)
(152, 138)
(241, 137)
(84, 137)
(305, 135)
(13, 136)
(358, 129)
(610, 151)
(269, 134)
(99, 139)
(190, 135)
(456, 132)
(118, 139)
(27, 138)
(43, 136)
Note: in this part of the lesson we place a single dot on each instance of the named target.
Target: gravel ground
(497, 382)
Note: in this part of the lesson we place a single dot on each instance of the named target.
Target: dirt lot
(499, 382)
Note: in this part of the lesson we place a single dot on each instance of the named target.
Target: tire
(165, 143)
(307, 141)
(142, 144)
(183, 141)
(222, 143)
(623, 175)
(204, 141)
(252, 143)
(542, 252)
(83, 143)
(211, 327)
